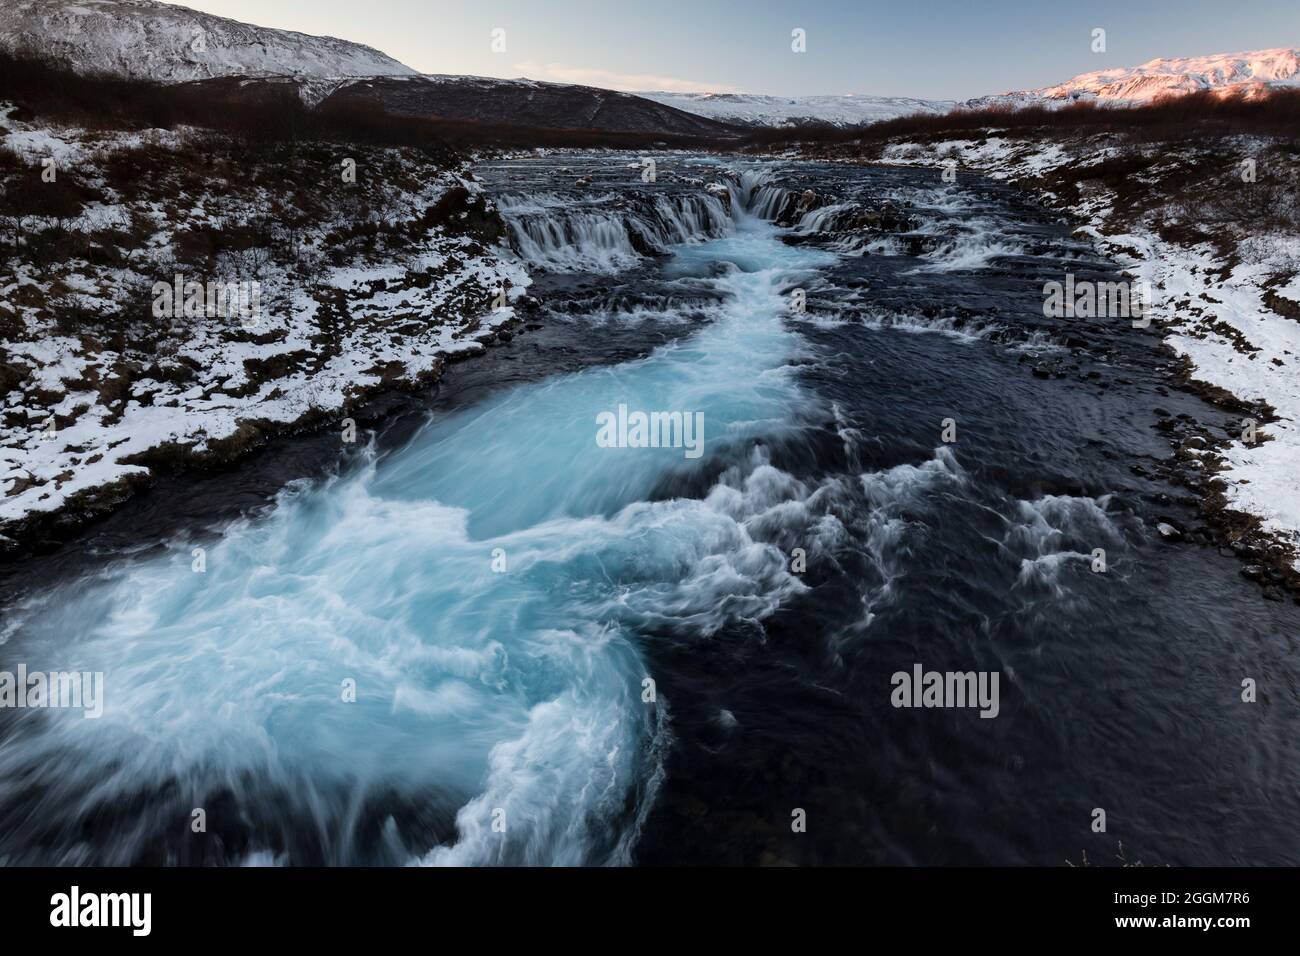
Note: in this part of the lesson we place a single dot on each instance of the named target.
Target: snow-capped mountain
(146, 39)
(1231, 74)
(751, 109)
(143, 39)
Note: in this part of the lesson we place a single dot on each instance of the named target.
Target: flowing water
(564, 653)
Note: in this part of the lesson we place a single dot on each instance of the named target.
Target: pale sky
(942, 49)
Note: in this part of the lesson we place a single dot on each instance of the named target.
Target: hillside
(1230, 74)
(142, 39)
(524, 103)
(177, 297)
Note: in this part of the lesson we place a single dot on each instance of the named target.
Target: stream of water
(563, 653)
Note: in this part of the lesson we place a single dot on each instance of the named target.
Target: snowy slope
(147, 40)
(330, 330)
(1245, 74)
(755, 110)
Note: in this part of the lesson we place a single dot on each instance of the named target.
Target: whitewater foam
(356, 646)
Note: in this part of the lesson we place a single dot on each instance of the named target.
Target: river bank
(363, 270)
(1209, 229)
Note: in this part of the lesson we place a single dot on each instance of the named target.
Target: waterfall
(596, 230)
(603, 236)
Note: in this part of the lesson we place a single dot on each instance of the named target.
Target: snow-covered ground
(96, 386)
(753, 109)
(1213, 309)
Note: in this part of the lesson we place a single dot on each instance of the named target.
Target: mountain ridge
(1247, 73)
(145, 39)
(163, 42)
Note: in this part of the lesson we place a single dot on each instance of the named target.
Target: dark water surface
(524, 692)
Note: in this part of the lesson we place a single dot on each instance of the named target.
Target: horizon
(746, 48)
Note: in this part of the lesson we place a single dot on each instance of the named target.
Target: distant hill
(750, 109)
(146, 40)
(525, 103)
(1230, 74)
(141, 39)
